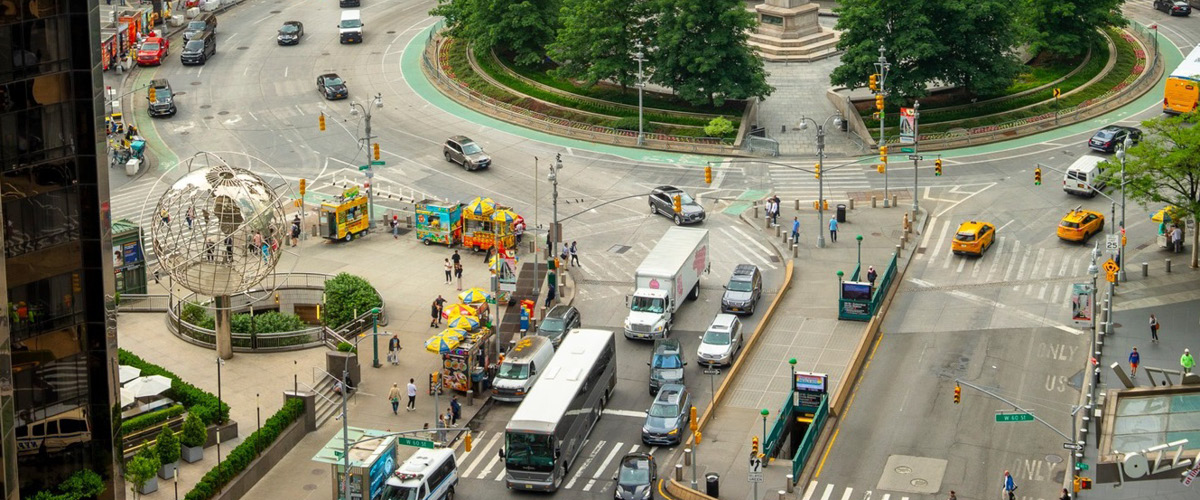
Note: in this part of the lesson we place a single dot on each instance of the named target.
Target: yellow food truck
(346, 217)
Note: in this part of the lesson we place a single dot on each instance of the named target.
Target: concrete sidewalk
(803, 326)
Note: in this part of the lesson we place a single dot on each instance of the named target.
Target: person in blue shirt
(1134, 359)
(1009, 486)
(833, 228)
(795, 230)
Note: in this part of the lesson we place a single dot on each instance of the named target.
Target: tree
(194, 433)
(523, 27)
(1162, 169)
(141, 469)
(345, 296)
(81, 485)
(929, 42)
(166, 446)
(702, 51)
(1067, 28)
(597, 40)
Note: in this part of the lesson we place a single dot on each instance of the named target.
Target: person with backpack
(395, 223)
(1010, 486)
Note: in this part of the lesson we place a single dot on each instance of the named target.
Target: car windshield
(647, 304)
(196, 25)
(740, 286)
(667, 361)
(333, 82)
(529, 452)
(635, 471)
(150, 46)
(350, 23)
(551, 325)
(663, 410)
(514, 371)
(400, 493)
(965, 236)
(471, 148)
(289, 29)
(194, 45)
(716, 338)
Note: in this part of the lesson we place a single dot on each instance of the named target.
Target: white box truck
(668, 274)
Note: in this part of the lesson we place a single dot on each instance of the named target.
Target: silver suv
(463, 151)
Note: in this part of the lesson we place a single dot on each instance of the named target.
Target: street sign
(1112, 242)
(908, 125)
(1110, 276)
(1081, 466)
(712, 371)
(1111, 266)
(378, 162)
(1072, 446)
(755, 465)
(755, 477)
(419, 443)
(1014, 417)
(916, 157)
(907, 150)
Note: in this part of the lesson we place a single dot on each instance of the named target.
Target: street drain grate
(921, 250)
(208, 118)
(205, 106)
(243, 47)
(222, 113)
(196, 83)
(775, 258)
(619, 249)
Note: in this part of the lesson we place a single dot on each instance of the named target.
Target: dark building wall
(58, 397)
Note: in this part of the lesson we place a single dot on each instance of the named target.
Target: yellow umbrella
(506, 216)
(474, 296)
(442, 343)
(467, 323)
(1169, 213)
(458, 310)
(481, 206)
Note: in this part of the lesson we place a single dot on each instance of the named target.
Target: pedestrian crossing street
(1046, 274)
(592, 471)
(839, 181)
(818, 491)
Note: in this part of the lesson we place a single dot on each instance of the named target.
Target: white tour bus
(550, 427)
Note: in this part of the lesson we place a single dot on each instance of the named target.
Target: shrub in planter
(149, 420)
(203, 403)
(167, 449)
(192, 439)
(346, 347)
(82, 484)
(718, 127)
(346, 295)
(241, 456)
(140, 471)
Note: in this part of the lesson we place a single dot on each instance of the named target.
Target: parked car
(163, 103)
(1107, 138)
(662, 201)
(152, 51)
(721, 342)
(206, 22)
(1173, 7)
(668, 416)
(666, 364)
(199, 49)
(637, 473)
(559, 320)
(743, 290)
(290, 33)
(463, 151)
(332, 86)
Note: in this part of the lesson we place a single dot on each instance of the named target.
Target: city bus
(1183, 86)
(551, 426)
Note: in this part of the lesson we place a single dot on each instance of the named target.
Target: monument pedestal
(788, 31)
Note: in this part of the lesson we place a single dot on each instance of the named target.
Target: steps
(329, 403)
(807, 48)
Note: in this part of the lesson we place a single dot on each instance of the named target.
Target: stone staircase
(328, 402)
(807, 48)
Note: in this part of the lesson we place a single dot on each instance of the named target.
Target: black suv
(662, 201)
(199, 49)
(163, 103)
(743, 291)
(1107, 138)
(666, 364)
(559, 320)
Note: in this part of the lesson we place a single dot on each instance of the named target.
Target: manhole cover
(1054, 459)
(208, 118)
(774, 258)
(196, 83)
(310, 487)
(324, 53)
(903, 469)
(918, 482)
(376, 53)
(318, 472)
(921, 250)
(184, 133)
(243, 47)
(618, 249)
(222, 113)
(393, 32)
(876, 234)
(205, 106)
(276, 11)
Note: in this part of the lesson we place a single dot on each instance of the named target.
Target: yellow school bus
(1183, 86)
(345, 218)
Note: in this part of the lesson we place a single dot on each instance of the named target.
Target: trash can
(712, 485)
(841, 212)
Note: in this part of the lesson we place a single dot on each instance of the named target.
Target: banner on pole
(908, 126)
(1081, 303)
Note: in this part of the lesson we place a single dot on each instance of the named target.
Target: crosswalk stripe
(604, 465)
(886, 496)
(482, 455)
(749, 250)
(1016, 252)
(579, 468)
(752, 240)
(996, 259)
(500, 475)
(487, 470)
(937, 249)
(828, 491)
(847, 493)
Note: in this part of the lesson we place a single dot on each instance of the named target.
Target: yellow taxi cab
(1079, 224)
(973, 238)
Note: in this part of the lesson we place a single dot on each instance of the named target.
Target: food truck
(480, 232)
(439, 222)
(466, 367)
(346, 217)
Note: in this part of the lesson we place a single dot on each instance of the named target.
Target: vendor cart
(480, 232)
(439, 222)
(466, 366)
(345, 218)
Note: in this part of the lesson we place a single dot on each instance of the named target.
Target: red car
(152, 51)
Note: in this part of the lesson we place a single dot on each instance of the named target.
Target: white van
(350, 30)
(54, 434)
(521, 368)
(1083, 175)
(426, 475)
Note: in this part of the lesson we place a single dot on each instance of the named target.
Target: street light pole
(859, 238)
(916, 157)
(1125, 145)
(882, 66)
(639, 56)
(837, 117)
(554, 230)
(366, 145)
(375, 337)
(345, 435)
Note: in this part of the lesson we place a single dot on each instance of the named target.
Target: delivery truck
(668, 274)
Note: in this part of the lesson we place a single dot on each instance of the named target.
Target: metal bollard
(894, 201)
(1145, 269)
(797, 204)
(782, 495)
(903, 240)
(850, 204)
(873, 200)
(408, 221)
(783, 237)
(470, 398)
(790, 486)
(1168, 265)
(898, 249)
(756, 211)
(687, 457)
(778, 231)
(679, 473)
(795, 249)
(768, 219)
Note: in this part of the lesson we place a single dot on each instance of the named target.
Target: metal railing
(810, 439)
(772, 440)
(141, 302)
(863, 310)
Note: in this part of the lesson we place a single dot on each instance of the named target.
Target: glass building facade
(58, 405)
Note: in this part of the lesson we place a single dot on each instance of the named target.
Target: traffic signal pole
(916, 157)
(881, 68)
(1015, 406)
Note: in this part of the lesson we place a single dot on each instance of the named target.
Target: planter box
(151, 486)
(336, 361)
(192, 454)
(168, 471)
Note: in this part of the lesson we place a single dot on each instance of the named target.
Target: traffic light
(1085, 483)
(151, 94)
(467, 443)
(957, 394)
(817, 169)
(937, 167)
(882, 167)
(377, 151)
(303, 185)
(873, 82)
(879, 102)
(1037, 176)
(678, 204)
(754, 446)
(698, 437)
(692, 419)
(708, 174)
(321, 121)
(883, 154)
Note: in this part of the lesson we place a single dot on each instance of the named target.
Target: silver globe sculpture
(218, 230)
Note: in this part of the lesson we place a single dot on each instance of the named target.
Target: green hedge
(347, 295)
(203, 403)
(148, 420)
(240, 458)
(263, 322)
(80, 485)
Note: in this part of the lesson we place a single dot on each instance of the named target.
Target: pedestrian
(456, 409)
(550, 294)
(449, 417)
(487, 255)
(165, 217)
(795, 230)
(833, 228)
(1009, 486)
(953, 496)
(229, 248)
(456, 258)
(772, 211)
(412, 395)
(156, 282)
(296, 232)
(1134, 359)
(458, 274)
(574, 254)
(258, 240)
(188, 216)
(337, 387)
(519, 230)
(441, 306)
(395, 227)
(872, 275)
(565, 252)
(1153, 328)
(394, 397)
(442, 424)
(449, 268)
(1186, 361)
(434, 312)
(1177, 239)
(1066, 495)
(394, 350)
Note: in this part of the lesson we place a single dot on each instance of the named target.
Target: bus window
(529, 452)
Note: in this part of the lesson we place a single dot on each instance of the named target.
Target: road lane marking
(580, 467)
(625, 413)
(996, 260)
(961, 263)
(976, 299)
(751, 240)
(1012, 262)
(938, 249)
(928, 234)
(957, 203)
(811, 488)
(1037, 263)
(488, 470)
(764, 260)
(483, 455)
(828, 491)
(604, 465)
(847, 493)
